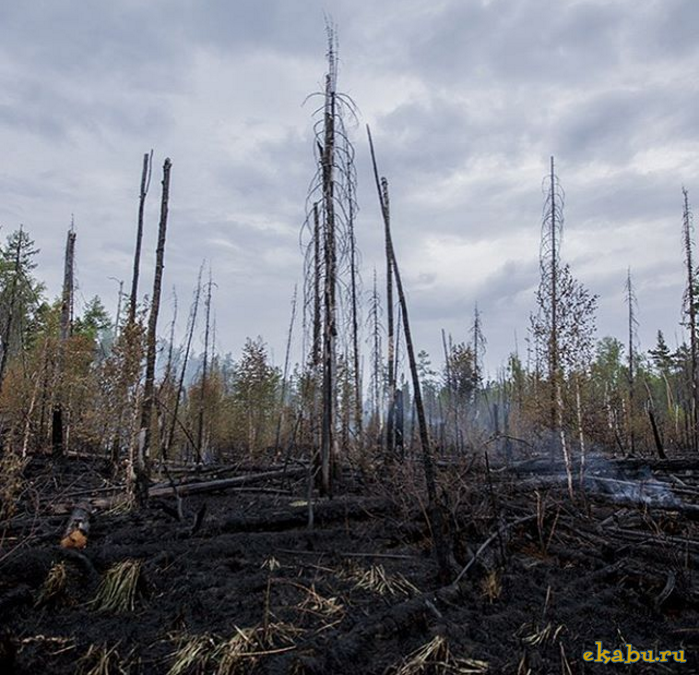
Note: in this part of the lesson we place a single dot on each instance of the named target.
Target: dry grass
(101, 661)
(118, 590)
(436, 658)
(233, 656)
(54, 585)
(491, 586)
(375, 579)
(532, 634)
(11, 482)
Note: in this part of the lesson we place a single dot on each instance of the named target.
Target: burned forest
(354, 504)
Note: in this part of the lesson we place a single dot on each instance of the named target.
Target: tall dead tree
(185, 360)
(550, 267)
(354, 304)
(631, 375)
(145, 184)
(374, 321)
(382, 188)
(690, 297)
(479, 345)
(327, 160)
(285, 375)
(330, 193)
(317, 276)
(66, 328)
(434, 509)
(546, 326)
(142, 464)
(204, 374)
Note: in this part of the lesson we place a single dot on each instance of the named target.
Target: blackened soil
(358, 593)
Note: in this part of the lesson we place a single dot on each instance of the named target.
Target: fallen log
(77, 529)
(188, 488)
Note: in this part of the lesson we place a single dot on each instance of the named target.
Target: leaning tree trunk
(434, 510)
(142, 464)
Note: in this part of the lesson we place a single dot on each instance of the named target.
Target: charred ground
(240, 584)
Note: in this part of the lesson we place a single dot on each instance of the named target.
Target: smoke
(627, 482)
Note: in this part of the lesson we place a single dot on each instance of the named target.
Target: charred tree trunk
(142, 464)
(358, 432)
(328, 440)
(145, 184)
(317, 274)
(58, 431)
(631, 300)
(434, 510)
(204, 375)
(285, 378)
(183, 372)
(691, 300)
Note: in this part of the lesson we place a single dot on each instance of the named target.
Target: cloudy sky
(467, 99)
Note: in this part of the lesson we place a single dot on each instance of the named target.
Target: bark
(277, 444)
(142, 464)
(692, 316)
(58, 434)
(329, 294)
(145, 183)
(355, 323)
(434, 510)
(187, 351)
(204, 375)
(77, 529)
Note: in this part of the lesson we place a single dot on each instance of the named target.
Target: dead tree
(354, 307)
(690, 297)
(66, 327)
(145, 184)
(631, 375)
(382, 188)
(185, 360)
(434, 509)
(285, 377)
(563, 328)
(330, 193)
(142, 464)
(204, 374)
(374, 321)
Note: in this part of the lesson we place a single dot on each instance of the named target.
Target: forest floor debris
(538, 579)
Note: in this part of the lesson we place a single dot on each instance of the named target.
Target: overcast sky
(467, 99)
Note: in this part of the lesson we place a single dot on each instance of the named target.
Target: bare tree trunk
(58, 433)
(185, 361)
(329, 295)
(142, 464)
(277, 445)
(317, 274)
(204, 374)
(553, 347)
(145, 184)
(691, 299)
(382, 188)
(358, 433)
(434, 510)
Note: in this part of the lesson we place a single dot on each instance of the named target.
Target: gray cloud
(467, 101)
